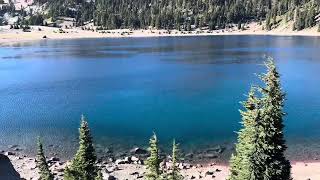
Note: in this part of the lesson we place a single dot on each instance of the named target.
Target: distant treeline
(184, 14)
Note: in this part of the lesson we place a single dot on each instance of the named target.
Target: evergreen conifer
(174, 174)
(83, 166)
(261, 145)
(271, 144)
(241, 163)
(153, 161)
(42, 165)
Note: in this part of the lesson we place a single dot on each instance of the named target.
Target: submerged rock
(218, 149)
(108, 150)
(210, 156)
(138, 150)
(13, 146)
(189, 155)
(17, 149)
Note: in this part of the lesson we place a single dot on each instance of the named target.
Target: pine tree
(271, 160)
(268, 22)
(261, 145)
(42, 165)
(241, 163)
(153, 161)
(174, 174)
(83, 166)
(310, 17)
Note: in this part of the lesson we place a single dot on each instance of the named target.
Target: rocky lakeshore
(131, 165)
(130, 168)
(218, 153)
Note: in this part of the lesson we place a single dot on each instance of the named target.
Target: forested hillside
(184, 14)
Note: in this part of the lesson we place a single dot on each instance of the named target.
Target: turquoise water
(188, 88)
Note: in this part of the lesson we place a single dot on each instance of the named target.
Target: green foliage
(42, 165)
(270, 160)
(83, 166)
(299, 23)
(99, 176)
(310, 22)
(170, 14)
(36, 19)
(241, 163)
(174, 173)
(304, 16)
(153, 161)
(261, 145)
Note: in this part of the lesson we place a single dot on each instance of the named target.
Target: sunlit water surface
(188, 88)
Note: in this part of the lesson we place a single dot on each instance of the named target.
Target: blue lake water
(188, 88)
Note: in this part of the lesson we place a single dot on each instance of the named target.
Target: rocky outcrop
(7, 171)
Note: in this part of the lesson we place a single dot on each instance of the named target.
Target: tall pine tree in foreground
(271, 161)
(174, 174)
(241, 163)
(42, 165)
(261, 145)
(83, 166)
(153, 161)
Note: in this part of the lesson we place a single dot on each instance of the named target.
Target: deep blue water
(188, 88)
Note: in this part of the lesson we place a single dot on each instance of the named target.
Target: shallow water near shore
(188, 88)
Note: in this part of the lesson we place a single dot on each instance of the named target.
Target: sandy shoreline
(26, 168)
(10, 36)
(130, 166)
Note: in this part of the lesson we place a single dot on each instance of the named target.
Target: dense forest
(180, 14)
(184, 14)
